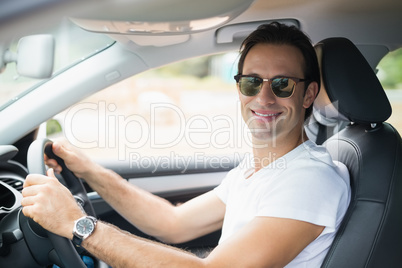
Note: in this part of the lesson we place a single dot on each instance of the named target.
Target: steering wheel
(65, 249)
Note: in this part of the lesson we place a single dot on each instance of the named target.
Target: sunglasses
(282, 87)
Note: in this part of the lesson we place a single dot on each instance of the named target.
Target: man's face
(273, 120)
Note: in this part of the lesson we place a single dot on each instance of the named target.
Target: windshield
(72, 45)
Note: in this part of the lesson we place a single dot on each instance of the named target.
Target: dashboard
(12, 176)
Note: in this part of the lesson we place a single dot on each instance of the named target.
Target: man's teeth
(266, 115)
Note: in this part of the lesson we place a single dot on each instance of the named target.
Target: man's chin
(265, 138)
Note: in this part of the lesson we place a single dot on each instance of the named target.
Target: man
(279, 208)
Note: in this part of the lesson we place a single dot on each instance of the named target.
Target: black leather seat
(371, 232)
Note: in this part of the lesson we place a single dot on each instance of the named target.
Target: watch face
(85, 226)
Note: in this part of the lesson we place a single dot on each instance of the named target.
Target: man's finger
(35, 179)
(26, 211)
(50, 173)
(39, 179)
(27, 201)
(60, 150)
(29, 211)
(52, 164)
(29, 191)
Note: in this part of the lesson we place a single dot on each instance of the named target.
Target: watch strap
(77, 240)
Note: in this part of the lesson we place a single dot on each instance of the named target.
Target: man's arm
(151, 214)
(264, 242)
(156, 216)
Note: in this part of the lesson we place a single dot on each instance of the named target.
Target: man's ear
(310, 95)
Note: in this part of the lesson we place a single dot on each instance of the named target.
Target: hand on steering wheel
(65, 249)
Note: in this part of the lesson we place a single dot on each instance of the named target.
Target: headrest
(349, 84)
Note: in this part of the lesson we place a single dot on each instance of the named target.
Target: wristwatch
(83, 227)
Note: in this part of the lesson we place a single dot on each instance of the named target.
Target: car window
(186, 110)
(390, 76)
(177, 113)
(72, 45)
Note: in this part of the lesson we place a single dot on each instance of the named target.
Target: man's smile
(266, 115)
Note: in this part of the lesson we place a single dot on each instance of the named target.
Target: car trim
(174, 184)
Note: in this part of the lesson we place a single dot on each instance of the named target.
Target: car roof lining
(336, 18)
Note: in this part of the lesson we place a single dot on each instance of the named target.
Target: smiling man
(271, 215)
(276, 123)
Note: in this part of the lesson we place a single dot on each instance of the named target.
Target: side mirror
(34, 57)
(53, 127)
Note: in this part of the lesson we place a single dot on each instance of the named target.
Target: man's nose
(266, 96)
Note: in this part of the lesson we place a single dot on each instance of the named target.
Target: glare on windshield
(72, 45)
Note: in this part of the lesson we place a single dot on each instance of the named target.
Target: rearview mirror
(34, 57)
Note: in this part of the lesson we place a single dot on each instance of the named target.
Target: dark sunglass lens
(250, 86)
(282, 87)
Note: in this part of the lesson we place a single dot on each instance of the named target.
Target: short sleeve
(222, 190)
(231, 179)
(315, 194)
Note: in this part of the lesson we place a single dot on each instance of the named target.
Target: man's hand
(50, 204)
(75, 160)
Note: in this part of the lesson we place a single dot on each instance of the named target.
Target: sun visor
(165, 17)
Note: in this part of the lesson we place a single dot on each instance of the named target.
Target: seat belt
(324, 132)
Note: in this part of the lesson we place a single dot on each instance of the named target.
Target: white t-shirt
(305, 185)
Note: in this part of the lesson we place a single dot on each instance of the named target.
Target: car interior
(355, 117)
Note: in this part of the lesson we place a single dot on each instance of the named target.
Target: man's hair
(280, 34)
